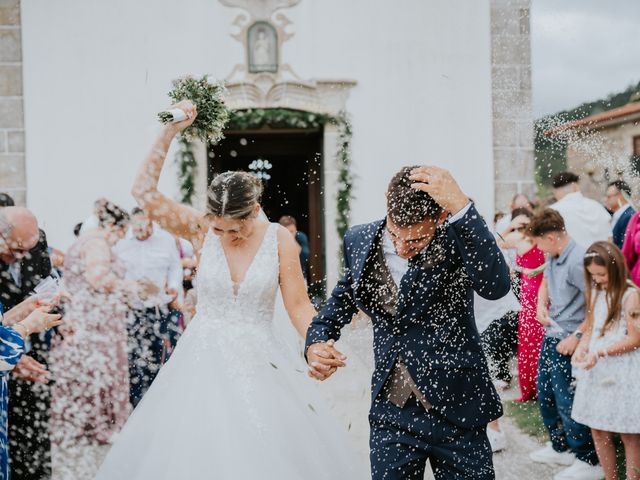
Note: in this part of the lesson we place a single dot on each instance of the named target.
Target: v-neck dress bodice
(252, 300)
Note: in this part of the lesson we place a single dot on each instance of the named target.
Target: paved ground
(513, 463)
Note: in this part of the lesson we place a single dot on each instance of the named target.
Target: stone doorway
(295, 186)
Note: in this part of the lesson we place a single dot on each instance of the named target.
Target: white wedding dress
(230, 404)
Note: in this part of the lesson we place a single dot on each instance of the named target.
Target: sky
(582, 50)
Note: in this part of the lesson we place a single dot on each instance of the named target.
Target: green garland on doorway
(282, 118)
(187, 166)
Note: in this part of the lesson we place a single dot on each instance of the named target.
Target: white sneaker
(498, 440)
(549, 456)
(580, 470)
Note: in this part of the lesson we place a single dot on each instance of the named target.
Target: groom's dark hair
(407, 206)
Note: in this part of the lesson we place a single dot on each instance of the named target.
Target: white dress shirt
(586, 220)
(156, 259)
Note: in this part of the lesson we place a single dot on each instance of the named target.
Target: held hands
(324, 360)
(441, 186)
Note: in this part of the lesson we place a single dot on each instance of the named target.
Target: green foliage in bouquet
(207, 97)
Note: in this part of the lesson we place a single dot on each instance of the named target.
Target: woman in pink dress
(530, 331)
(631, 248)
(90, 396)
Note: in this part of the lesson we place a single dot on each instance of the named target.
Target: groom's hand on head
(441, 186)
(324, 359)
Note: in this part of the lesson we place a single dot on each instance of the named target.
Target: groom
(414, 274)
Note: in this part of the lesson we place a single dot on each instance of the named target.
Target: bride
(229, 404)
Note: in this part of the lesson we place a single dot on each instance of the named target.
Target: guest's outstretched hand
(30, 370)
(441, 186)
(324, 359)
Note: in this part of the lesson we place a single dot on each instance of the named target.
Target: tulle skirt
(230, 405)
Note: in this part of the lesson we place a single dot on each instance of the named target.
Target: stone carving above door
(263, 79)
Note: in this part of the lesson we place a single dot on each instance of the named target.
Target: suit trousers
(402, 439)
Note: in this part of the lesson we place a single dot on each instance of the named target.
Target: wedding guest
(497, 324)
(561, 309)
(586, 220)
(290, 224)
(17, 325)
(607, 392)
(498, 328)
(93, 221)
(24, 262)
(91, 390)
(6, 200)
(529, 258)
(151, 258)
(76, 229)
(519, 200)
(616, 202)
(631, 248)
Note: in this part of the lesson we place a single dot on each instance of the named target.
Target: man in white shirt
(152, 259)
(586, 221)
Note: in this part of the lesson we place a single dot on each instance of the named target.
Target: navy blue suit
(433, 331)
(620, 228)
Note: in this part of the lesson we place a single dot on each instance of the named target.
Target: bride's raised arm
(179, 219)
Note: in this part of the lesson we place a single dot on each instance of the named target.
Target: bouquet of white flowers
(207, 97)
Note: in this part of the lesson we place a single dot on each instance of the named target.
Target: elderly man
(24, 262)
(152, 259)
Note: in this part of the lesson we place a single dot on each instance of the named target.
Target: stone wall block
(10, 46)
(15, 142)
(10, 80)
(9, 12)
(11, 113)
(12, 171)
(504, 133)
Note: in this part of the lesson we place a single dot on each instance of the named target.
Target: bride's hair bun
(234, 195)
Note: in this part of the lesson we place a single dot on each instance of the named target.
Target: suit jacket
(34, 267)
(620, 228)
(432, 328)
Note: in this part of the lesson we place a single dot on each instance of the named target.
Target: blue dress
(11, 349)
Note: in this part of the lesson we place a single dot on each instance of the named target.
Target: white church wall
(97, 71)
